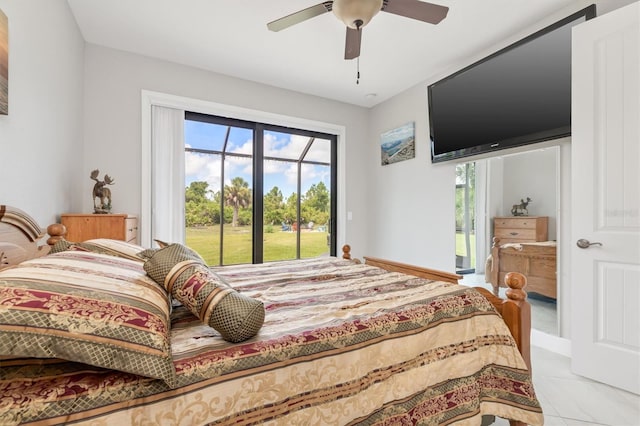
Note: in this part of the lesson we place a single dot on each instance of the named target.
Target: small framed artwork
(4, 64)
(398, 144)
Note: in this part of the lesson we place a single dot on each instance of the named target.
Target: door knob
(583, 244)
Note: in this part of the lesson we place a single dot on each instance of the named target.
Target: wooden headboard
(21, 237)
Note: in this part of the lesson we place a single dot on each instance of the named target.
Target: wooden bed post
(518, 313)
(56, 232)
(346, 252)
(515, 311)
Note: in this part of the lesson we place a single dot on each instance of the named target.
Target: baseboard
(551, 343)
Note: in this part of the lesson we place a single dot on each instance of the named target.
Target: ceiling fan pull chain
(358, 70)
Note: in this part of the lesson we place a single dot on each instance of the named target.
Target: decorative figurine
(101, 193)
(521, 209)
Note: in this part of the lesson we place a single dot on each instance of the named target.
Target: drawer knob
(513, 233)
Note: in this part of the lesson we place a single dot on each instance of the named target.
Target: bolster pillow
(182, 272)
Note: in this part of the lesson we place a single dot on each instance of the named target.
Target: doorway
(465, 218)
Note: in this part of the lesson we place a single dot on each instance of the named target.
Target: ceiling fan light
(352, 11)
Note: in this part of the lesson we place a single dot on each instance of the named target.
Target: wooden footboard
(536, 260)
(515, 310)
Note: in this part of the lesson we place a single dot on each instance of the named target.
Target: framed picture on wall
(4, 64)
(398, 144)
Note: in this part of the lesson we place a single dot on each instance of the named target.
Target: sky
(206, 167)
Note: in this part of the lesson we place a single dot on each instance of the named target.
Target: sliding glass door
(465, 218)
(297, 195)
(257, 192)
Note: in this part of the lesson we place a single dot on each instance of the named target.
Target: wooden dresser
(521, 229)
(82, 227)
(532, 254)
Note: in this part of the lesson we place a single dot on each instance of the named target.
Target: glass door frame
(467, 267)
(258, 247)
(258, 177)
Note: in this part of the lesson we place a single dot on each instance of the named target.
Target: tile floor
(568, 399)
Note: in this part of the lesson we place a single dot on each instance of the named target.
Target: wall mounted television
(517, 96)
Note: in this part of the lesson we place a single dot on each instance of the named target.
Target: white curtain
(167, 174)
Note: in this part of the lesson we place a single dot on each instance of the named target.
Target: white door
(605, 162)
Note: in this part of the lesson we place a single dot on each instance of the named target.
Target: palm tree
(237, 195)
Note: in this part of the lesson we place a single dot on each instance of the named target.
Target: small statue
(521, 209)
(101, 193)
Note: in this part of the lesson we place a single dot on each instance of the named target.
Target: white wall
(412, 202)
(41, 137)
(418, 225)
(531, 174)
(114, 81)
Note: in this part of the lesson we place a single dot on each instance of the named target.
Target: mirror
(515, 198)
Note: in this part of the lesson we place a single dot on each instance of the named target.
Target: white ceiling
(231, 37)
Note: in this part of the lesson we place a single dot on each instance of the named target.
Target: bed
(535, 260)
(342, 343)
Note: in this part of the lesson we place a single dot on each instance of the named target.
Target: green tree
(237, 195)
(315, 204)
(200, 210)
(274, 206)
(317, 197)
(290, 208)
(197, 191)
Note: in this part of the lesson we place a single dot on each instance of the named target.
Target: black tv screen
(516, 96)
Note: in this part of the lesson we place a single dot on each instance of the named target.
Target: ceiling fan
(357, 13)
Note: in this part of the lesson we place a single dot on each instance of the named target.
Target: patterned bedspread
(342, 343)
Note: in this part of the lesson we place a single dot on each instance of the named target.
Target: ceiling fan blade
(300, 16)
(352, 45)
(416, 9)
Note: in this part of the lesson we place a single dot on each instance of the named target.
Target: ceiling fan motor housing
(356, 13)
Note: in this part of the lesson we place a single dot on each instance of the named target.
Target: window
(258, 192)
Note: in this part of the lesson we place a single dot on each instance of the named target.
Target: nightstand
(82, 227)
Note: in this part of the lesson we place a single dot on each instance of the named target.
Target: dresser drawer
(516, 234)
(517, 222)
(82, 227)
(131, 230)
(521, 229)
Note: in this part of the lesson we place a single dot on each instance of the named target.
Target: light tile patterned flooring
(571, 400)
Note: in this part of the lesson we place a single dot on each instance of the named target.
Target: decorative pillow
(162, 244)
(102, 245)
(181, 271)
(147, 253)
(90, 308)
